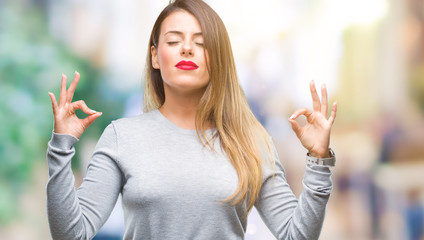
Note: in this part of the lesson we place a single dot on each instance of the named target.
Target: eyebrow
(181, 33)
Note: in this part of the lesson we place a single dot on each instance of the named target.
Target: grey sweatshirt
(172, 187)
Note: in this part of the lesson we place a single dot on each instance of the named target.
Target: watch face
(330, 162)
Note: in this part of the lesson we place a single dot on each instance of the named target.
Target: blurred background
(369, 53)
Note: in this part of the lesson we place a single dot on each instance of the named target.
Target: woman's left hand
(315, 135)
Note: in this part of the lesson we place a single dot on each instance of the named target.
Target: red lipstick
(187, 65)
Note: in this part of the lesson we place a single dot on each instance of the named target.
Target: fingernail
(323, 85)
(63, 75)
(292, 116)
(76, 72)
(92, 112)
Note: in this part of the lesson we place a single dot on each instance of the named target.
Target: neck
(180, 109)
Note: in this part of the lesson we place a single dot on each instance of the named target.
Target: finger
(72, 87)
(62, 97)
(315, 98)
(333, 113)
(54, 103)
(295, 126)
(303, 111)
(81, 105)
(90, 119)
(324, 101)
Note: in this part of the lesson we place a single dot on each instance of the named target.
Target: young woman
(195, 163)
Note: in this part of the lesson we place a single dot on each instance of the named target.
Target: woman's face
(180, 55)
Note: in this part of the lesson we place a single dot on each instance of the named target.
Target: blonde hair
(241, 136)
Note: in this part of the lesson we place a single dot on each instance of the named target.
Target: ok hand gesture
(65, 119)
(315, 135)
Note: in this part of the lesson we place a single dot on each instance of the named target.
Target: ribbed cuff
(63, 141)
(318, 178)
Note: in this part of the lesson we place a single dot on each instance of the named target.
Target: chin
(189, 84)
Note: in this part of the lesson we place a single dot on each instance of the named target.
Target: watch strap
(330, 162)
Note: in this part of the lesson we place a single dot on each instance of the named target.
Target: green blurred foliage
(31, 63)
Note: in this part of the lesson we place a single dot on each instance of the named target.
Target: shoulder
(134, 121)
(135, 125)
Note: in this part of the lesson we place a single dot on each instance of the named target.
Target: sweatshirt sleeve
(288, 217)
(79, 214)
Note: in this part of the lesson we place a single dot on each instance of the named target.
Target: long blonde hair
(241, 136)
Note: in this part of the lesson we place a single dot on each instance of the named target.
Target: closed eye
(172, 43)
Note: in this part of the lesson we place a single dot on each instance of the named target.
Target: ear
(155, 60)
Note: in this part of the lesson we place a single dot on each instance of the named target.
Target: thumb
(90, 119)
(81, 105)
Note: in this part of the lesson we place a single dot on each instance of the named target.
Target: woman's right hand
(65, 119)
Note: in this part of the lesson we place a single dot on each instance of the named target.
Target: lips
(187, 65)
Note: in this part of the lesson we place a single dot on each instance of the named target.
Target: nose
(187, 49)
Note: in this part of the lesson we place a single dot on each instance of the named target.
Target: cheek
(165, 57)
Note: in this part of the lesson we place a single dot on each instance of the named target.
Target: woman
(197, 161)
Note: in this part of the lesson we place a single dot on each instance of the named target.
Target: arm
(79, 214)
(288, 217)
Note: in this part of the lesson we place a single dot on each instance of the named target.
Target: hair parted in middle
(242, 137)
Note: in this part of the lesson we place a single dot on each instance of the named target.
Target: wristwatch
(329, 162)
